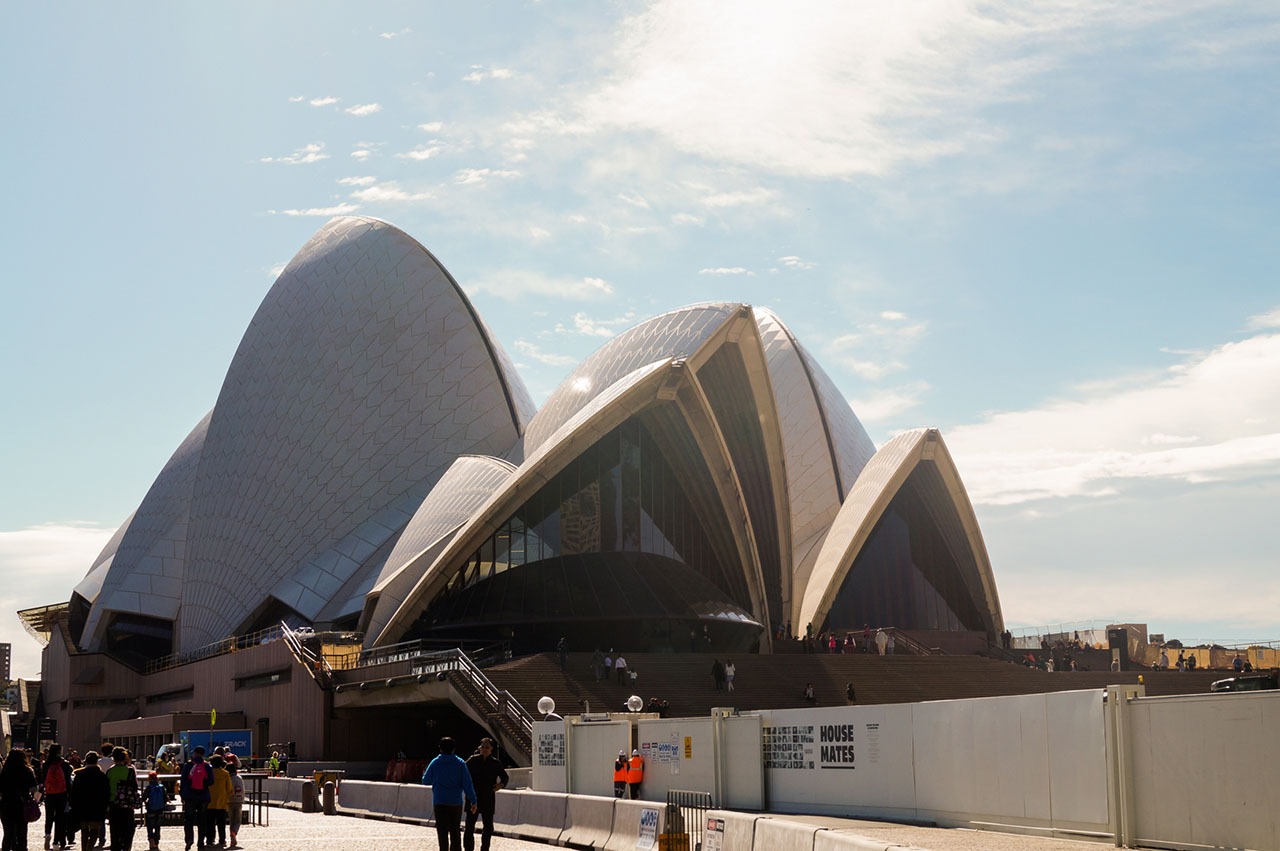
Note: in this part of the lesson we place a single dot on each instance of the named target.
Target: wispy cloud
(335, 210)
(725, 270)
(389, 191)
(587, 326)
(358, 181)
(914, 82)
(1207, 417)
(362, 109)
(515, 284)
(397, 34)
(793, 262)
(432, 126)
(324, 101)
(482, 175)
(877, 348)
(480, 73)
(531, 351)
(422, 152)
(312, 153)
(887, 404)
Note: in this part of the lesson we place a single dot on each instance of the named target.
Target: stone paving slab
(291, 830)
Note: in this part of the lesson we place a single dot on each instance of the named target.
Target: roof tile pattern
(467, 485)
(147, 568)
(676, 334)
(364, 373)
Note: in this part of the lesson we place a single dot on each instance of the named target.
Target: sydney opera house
(373, 464)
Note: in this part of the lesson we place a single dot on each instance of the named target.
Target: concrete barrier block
(843, 840)
(542, 815)
(413, 802)
(782, 835)
(506, 812)
(739, 828)
(588, 821)
(277, 790)
(367, 796)
(631, 819)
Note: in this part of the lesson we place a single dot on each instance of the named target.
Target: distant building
(6, 662)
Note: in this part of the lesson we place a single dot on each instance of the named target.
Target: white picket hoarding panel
(840, 760)
(742, 744)
(1206, 770)
(593, 748)
(550, 757)
(679, 753)
(1077, 746)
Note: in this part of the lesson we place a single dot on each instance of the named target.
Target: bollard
(328, 797)
(308, 797)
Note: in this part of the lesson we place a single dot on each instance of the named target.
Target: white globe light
(634, 703)
(546, 705)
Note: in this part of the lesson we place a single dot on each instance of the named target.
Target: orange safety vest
(620, 770)
(635, 772)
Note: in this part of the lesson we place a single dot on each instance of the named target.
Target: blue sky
(1047, 229)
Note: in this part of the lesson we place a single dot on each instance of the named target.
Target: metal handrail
(503, 701)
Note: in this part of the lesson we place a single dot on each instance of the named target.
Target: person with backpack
(155, 800)
(122, 789)
(55, 782)
(196, 777)
(219, 799)
(90, 798)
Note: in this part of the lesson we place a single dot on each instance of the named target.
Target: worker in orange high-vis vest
(620, 769)
(635, 774)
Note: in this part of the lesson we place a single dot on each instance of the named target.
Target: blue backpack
(156, 798)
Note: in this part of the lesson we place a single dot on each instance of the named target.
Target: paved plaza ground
(290, 830)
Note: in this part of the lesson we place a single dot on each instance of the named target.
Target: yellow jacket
(220, 789)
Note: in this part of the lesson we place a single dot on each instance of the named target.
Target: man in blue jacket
(450, 783)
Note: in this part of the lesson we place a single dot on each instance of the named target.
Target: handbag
(31, 809)
(127, 794)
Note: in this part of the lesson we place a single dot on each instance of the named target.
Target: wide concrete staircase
(778, 681)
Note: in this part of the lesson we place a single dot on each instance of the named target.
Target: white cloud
(390, 35)
(725, 270)
(361, 154)
(793, 262)
(740, 198)
(482, 175)
(357, 181)
(306, 155)
(519, 283)
(421, 152)
(325, 101)
(538, 234)
(432, 126)
(362, 109)
(1271, 319)
(885, 405)
(298, 99)
(531, 351)
(389, 191)
(40, 566)
(335, 210)
(634, 200)
(1210, 416)
(586, 326)
(821, 88)
(686, 219)
(480, 73)
(876, 349)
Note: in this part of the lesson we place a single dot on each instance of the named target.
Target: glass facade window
(626, 494)
(911, 573)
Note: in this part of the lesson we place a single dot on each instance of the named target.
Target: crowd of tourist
(99, 797)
